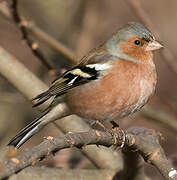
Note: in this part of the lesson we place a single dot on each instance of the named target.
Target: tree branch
(138, 140)
(25, 26)
(32, 27)
(32, 44)
(146, 142)
(52, 144)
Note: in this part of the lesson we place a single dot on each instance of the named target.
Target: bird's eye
(137, 42)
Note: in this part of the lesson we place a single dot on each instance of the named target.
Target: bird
(112, 81)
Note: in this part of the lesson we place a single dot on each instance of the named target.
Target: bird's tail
(27, 132)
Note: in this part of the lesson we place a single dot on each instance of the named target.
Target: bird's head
(133, 42)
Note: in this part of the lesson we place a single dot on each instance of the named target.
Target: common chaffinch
(111, 81)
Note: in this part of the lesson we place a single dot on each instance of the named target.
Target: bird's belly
(111, 98)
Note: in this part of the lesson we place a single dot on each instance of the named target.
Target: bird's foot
(112, 132)
(116, 136)
(115, 128)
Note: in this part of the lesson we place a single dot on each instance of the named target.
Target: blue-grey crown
(133, 29)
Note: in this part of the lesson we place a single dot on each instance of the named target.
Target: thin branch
(146, 142)
(30, 86)
(52, 144)
(32, 44)
(33, 28)
(167, 55)
(139, 139)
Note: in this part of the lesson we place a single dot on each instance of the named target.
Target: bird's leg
(114, 124)
(111, 131)
(114, 127)
(101, 125)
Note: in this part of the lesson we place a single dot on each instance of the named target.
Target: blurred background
(80, 26)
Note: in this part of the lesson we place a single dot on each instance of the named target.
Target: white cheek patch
(100, 67)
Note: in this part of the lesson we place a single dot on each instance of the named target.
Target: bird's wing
(88, 70)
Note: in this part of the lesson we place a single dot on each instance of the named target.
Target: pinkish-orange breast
(125, 89)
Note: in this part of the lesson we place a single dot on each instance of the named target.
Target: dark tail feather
(41, 98)
(27, 132)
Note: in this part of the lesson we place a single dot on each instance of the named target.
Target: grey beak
(154, 45)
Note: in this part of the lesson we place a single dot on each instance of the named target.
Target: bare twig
(32, 27)
(146, 142)
(51, 145)
(167, 55)
(139, 139)
(50, 41)
(27, 83)
(32, 44)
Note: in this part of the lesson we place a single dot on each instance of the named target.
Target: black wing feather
(66, 82)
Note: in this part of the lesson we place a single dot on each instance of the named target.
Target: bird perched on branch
(112, 81)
